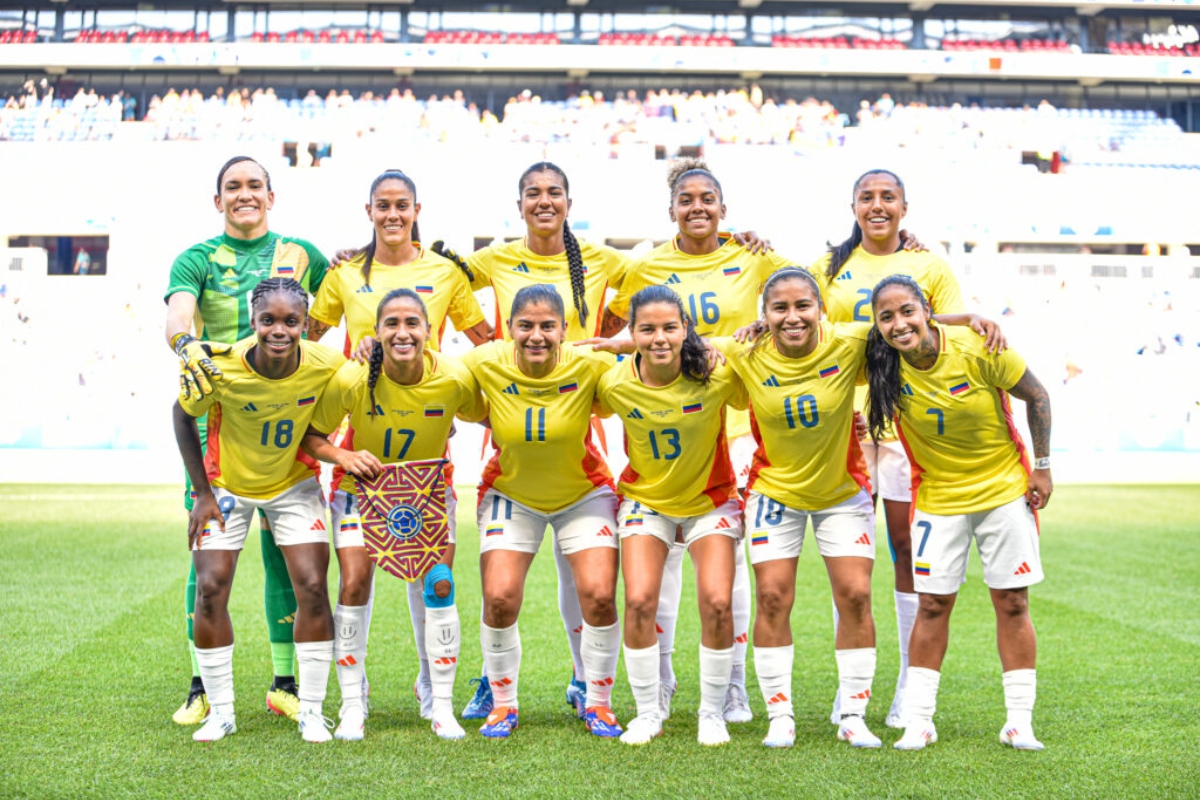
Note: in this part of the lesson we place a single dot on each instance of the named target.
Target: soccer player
(402, 406)
(948, 398)
(395, 259)
(258, 413)
(672, 404)
(847, 274)
(719, 280)
(545, 471)
(209, 289)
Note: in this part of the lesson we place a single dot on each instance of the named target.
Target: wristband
(1042, 463)
(180, 341)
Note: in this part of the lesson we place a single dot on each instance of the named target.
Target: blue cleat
(577, 696)
(500, 723)
(602, 722)
(481, 704)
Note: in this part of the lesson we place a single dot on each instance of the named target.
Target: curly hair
(687, 167)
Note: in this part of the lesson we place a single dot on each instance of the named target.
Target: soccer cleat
(782, 732)
(216, 728)
(481, 704)
(917, 735)
(282, 700)
(577, 696)
(446, 726)
(602, 722)
(665, 693)
(895, 715)
(314, 727)
(737, 704)
(500, 723)
(642, 729)
(711, 731)
(835, 716)
(1020, 739)
(351, 724)
(855, 731)
(194, 710)
(424, 695)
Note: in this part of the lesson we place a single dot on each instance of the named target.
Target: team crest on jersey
(403, 517)
(961, 387)
(731, 272)
(285, 271)
(307, 401)
(830, 371)
(425, 288)
(435, 411)
(567, 388)
(693, 408)
(633, 520)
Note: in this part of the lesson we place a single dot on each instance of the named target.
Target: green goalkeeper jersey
(222, 272)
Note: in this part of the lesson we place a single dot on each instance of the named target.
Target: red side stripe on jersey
(917, 470)
(760, 460)
(212, 452)
(856, 462)
(721, 486)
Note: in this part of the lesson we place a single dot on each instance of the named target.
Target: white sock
(642, 668)
(601, 649)
(1020, 693)
(416, 615)
(920, 701)
(741, 614)
(715, 666)
(443, 641)
(569, 610)
(906, 614)
(773, 665)
(313, 659)
(668, 612)
(370, 608)
(216, 670)
(502, 662)
(350, 652)
(856, 671)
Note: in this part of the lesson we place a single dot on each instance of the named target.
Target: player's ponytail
(693, 354)
(886, 399)
(575, 264)
(841, 253)
(374, 367)
(414, 235)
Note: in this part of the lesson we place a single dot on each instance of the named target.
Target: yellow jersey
(409, 423)
(674, 437)
(544, 456)
(802, 416)
(437, 281)
(957, 427)
(255, 424)
(510, 267)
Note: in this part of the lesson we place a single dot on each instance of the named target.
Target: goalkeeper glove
(198, 371)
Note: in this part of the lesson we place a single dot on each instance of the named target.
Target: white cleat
(446, 726)
(665, 692)
(835, 716)
(917, 735)
(314, 727)
(642, 729)
(1020, 738)
(737, 704)
(216, 727)
(895, 715)
(712, 731)
(424, 694)
(855, 731)
(782, 732)
(350, 727)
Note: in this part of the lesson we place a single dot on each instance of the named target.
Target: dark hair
(840, 253)
(238, 160)
(687, 167)
(269, 286)
(789, 273)
(375, 363)
(537, 293)
(886, 399)
(693, 355)
(414, 235)
(574, 256)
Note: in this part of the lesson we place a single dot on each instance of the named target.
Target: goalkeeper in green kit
(210, 292)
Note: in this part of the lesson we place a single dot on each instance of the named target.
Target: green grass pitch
(91, 636)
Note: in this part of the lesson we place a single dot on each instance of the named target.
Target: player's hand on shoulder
(362, 353)
(752, 331)
(620, 347)
(197, 368)
(994, 338)
(909, 241)
(341, 257)
(752, 242)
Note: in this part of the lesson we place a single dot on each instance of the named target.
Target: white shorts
(776, 531)
(1007, 538)
(505, 524)
(347, 528)
(295, 516)
(635, 519)
(891, 474)
(741, 456)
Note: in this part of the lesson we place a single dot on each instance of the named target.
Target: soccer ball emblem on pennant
(403, 514)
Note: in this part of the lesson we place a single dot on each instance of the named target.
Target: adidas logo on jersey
(249, 407)
(674, 279)
(1023, 569)
(512, 389)
(635, 414)
(771, 381)
(319, 525)
(845, 276)
(864, 539)
(907, 390)
(365, 289)
(522, 267)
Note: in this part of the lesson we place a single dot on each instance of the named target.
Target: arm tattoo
(1037, 410)
(610, 325)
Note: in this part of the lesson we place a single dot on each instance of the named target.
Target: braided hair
(686, 168)
(693, 355)
(839, 254)
(414, 235)
(269, 286)
(375, 363)
(238, 160)
(450, 254)
(886, 398)
(574, 255)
